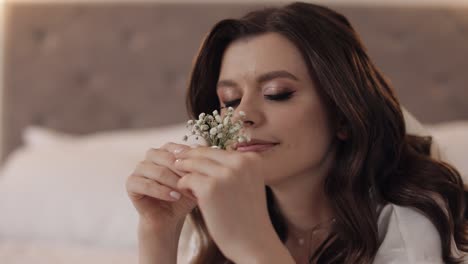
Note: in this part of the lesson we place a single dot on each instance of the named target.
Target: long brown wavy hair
(378, 163)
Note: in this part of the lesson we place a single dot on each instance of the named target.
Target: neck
(303, 203)
(301, 197)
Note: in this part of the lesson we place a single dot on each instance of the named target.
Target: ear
(342, 135)
(342, 130)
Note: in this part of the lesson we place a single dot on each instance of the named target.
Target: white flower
(241, 139)
(218, 131)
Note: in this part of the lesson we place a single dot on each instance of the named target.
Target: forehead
(262, 53)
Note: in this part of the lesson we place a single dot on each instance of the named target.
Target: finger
(137, 185)
(199, 165)
(162, 175)
(195, 183)
(177, 148)
(163, 158)
(218, 155)
(221, 156)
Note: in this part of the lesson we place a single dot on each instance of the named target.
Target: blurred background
(88, 86)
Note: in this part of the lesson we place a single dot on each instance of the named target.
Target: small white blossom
(218, 131)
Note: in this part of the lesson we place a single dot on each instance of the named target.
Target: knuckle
(238, 161)
(225, 171)
(250, 157)
(158, 156)
(164, 174)
(182, 183)
(211, 187)
(150, 153)
(147, 186)
(130, 182)
(141, 166)
(167, 145)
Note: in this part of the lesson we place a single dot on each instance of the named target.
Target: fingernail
(178, 150)
(175, 195)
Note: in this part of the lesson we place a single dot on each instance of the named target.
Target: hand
(230, 191)
(150, 185)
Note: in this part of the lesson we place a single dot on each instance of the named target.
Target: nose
(254, 115)
(248, 123)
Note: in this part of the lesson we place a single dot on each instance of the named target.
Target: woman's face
(256, 71)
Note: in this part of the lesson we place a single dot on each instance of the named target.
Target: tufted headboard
(84, 67)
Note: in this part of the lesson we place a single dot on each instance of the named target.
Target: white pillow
(60, 187)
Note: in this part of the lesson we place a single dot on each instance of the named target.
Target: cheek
(305, 140)
(308, 132)
(311, 141)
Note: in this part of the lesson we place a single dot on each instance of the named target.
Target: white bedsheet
(14, 252)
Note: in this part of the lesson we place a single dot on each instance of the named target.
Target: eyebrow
(262, 78)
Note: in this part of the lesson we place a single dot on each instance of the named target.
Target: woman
(338, 179)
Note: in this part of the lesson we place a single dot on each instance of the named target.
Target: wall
(348, 2)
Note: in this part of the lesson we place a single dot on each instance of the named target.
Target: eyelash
(275, 97)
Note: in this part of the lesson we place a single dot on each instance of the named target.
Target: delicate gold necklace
(300, 237)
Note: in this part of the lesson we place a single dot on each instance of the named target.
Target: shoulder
(188, 243)
(407, 236)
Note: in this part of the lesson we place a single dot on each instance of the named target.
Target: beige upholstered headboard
(86, 67)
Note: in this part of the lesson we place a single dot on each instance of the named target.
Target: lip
(255, 147)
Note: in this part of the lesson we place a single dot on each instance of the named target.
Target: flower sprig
(218, 132)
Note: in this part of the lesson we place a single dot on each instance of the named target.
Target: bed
(89, 87)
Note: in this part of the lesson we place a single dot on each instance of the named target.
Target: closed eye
(275, 97)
